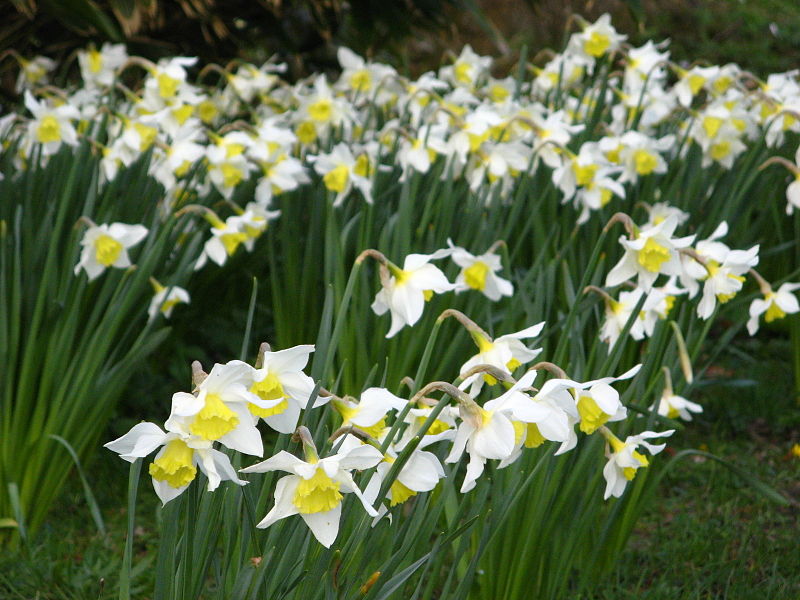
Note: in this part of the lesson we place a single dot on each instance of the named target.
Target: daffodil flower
(443, 428)
(793, 189)
(166, 84)
(506, 353)
(107, 246)
(480, 273)
(33, 72)
(166, 299)
(725, 279)
(51, 125)
(365, 79)
(673, 406)
(653, 251)
(369, 413)
(219, 410)
(175, 466)
(693, 81)
(421, 473)
(547, 415)
(467, 70)
(404, 291)
(596, 39)
(98, 67)
(484, 434)
(280, 380)
(598, 403)
(774, 305)
(227, 236)
(341, 171)
(624, 459)
(314, 489)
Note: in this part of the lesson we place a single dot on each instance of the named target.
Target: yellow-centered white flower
(624, 459)
(219, 409)
(107, 246)
(405, 291)
(315, 487)
(480, 273)
(175, 466)
(281, 380)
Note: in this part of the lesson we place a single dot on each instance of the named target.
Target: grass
(705, 535)
(708, 536)
(69, 558)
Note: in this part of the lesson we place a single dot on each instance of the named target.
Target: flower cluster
(226, 405)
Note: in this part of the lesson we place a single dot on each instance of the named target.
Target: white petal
(140, 441)
(284, 507)
(285, 422)
(362, 457)
(324, 525)
(282, 461)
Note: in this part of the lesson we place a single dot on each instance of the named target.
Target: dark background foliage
(761, 35)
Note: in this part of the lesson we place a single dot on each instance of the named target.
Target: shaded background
(761, 35)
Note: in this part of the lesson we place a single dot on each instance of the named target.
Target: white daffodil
(227, 162)
(497, 163)
(725, 278)
(656, 306)
(563, 70)
(419, 152)
(653, 251)
(596, 39)
(624, 459)
(250, 81)
(641, 155)
(547, 415)
(484, 434)
(673, 406)
(644, 64)
(280, 173)
(774, 305)
(587, 177)
(175, 466)
(281, 381)
(107, 246)
(219, 409)
(51, 125)
(184, 152)
(314, 487)
(33, 72)
(692, 81)
(505, 353)
(480, 273)
(793, 189)
(369, 413)
(421, 473)
(661, 211)
(404, 291)
(228, 235)
(443, 427)
(98, 67)
(320, 111)
(167, 84)
(341, 171)
(552, 133)
(467, 70)
(368, 80)
(165, 299)
(598, 403)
